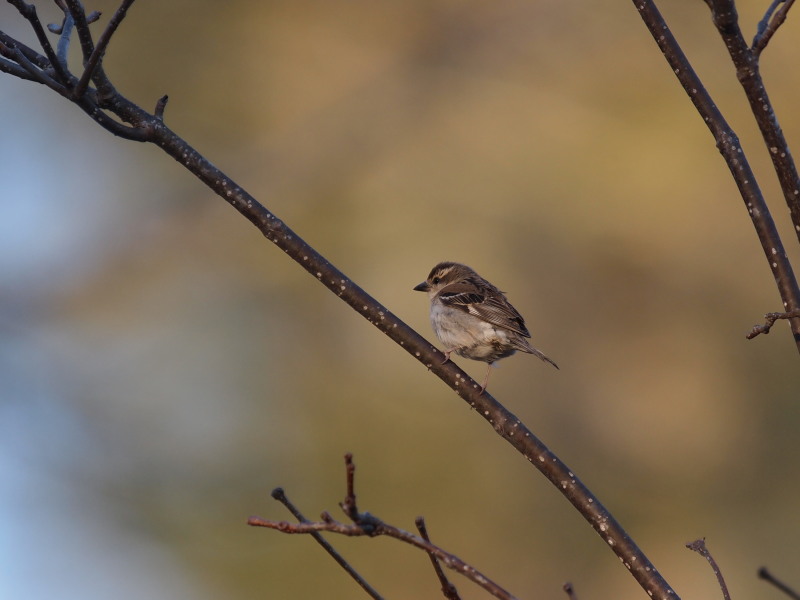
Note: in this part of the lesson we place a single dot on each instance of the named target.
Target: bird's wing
(487, 303)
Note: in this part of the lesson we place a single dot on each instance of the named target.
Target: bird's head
(443, 275)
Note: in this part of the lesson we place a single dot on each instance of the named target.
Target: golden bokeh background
(164, 366)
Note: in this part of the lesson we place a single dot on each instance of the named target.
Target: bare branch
(37, 59)
(770, 321)
(748, 72)
(728, 143)
(11, 67)
(75, 9)
(65, 36)
(448, 589)
(137, 133)
(699, 546)
(764, 574)
(97, 54)
(132, 122)
(15, 55)
(349, 505)
(365, 524)
(280, 496)
(29, 12)
(770, 23)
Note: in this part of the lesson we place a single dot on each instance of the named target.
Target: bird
(473, 318)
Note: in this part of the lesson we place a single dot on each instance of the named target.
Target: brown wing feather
(485, 302)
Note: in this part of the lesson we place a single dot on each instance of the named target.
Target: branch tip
(770, 319)
(764, 574)
(570, 591)
(700, 547)
(448, 588)
(160, 106)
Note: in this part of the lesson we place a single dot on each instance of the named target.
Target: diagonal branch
(132, 122)
(34, 57)
(280, 496)
(448, 589)
(731, 150)
(748, 72)
(12, 65)
(17, 57)
(764, 573)
(29, 12)
(505, 423)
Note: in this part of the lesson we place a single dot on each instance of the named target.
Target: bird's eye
(436, 280)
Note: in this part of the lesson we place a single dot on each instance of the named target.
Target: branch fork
(365, 524)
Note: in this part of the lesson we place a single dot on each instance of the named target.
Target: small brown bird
(473, 318)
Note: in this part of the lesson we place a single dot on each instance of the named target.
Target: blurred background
(163, 366)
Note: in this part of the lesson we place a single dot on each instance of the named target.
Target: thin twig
(29, 12)
(570, 591)
(64, 39)
(378, 527)
(764, 574)
(97, 54)
(158, 113)
(699, 546)
(82, 27)
(349, 506)
(32, 55)
(769, 24)
(764, 22)
(11, 67)
(365, 524)
(36, 74)
(770, 321)
(280, 496)
(448, 588)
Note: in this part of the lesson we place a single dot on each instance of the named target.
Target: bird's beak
(422, 287)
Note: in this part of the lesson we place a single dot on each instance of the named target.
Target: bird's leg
(486, 379)
(447, 355)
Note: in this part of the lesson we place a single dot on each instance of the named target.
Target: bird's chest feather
(469, 336)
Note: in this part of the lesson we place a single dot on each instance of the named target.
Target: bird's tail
(526, 347)
(544, 358)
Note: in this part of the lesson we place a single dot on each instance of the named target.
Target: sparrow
(472, 318)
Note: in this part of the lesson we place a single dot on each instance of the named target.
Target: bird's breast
(470, 336)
